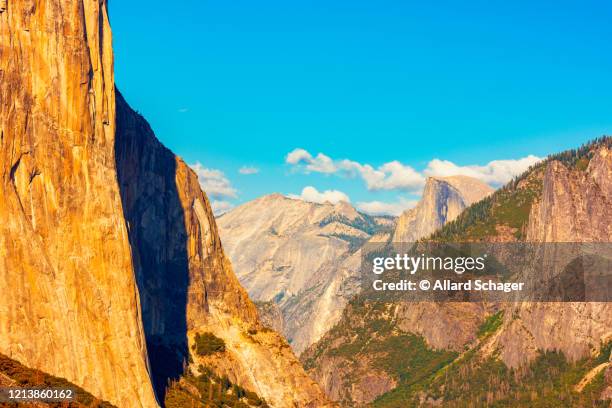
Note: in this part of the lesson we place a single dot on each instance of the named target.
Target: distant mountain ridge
(300, 255)
(477, 354)
(443, 199)
(306, 256)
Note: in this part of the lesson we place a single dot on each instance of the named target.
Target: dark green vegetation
(491, 325)
(548, 382)
(366, 223)
(206, 389)
(410, 360)
(354, 242)
(403, 356)
(510, 205)
(367, 334)
(207, 344)
(13, 373)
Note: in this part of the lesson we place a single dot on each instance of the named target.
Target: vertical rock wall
(79, 250)
(186, 283)
(444, 198)
(69, 304)
(574, 207)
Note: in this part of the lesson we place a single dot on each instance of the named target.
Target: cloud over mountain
(313, 195)
(217, 186)
(385, 208)
(495, 173)
(389, 176)
(395, 175)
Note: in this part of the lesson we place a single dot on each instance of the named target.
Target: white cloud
(247, 170)
(313, 195)
(395, 175)
(322, 164)
(220, 207)
(495, 173)
(297, 156)
(183, 110)
(389, 176)
(213, 182)
(319, 164)
(382, 208)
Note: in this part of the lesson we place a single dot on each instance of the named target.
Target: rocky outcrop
(574, 207)
(443, 325)
(575, 204)
(444, 198)
(302, 256)
(571, 207)
(271, 316)
(109, 252)
(355, 378)
(564, 199)
(333, 372)
(186, 282)
(69, 303)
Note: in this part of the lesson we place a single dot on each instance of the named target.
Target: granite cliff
(306, 257)
(360, 381)
(110, 260)
(69, 303)
(574, 206)
(302, 256)
(186, 283)
(444, 198)
(513, 354)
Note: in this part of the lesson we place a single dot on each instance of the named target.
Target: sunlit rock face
(444, 198)
(574, 207)
(69, 303)
(306, 256)
(109, 254)
(302, 256)
(571, 203)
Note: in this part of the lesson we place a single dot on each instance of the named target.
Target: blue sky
(239, 83)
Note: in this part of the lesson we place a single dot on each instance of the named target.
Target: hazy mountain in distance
(301, 256)
(306, 257)
(444, 198)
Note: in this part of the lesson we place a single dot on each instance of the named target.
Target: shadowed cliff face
(179, 260)
(156, 227)
(186, 283)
